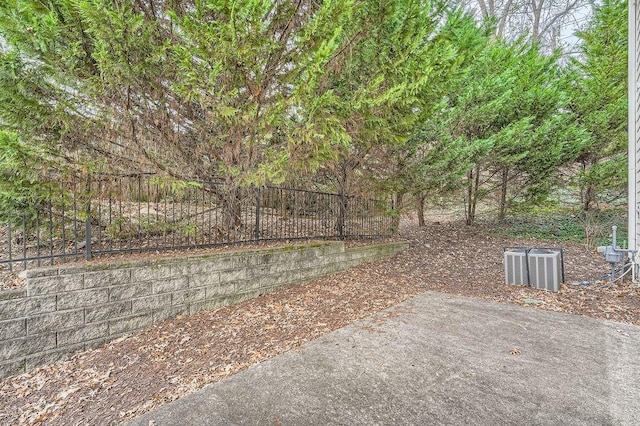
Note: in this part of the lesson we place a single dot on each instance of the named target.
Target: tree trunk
(467, 205)
(502, 22)
(231, 205)
(420, 208)
(395, 223)
(342, 206)
(587, 198)
(503, 195)
(587, 193)
(537, 15)
(476, 187)
(473, 182)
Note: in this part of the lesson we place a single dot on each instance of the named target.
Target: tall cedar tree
(600, 105)
(243, 91)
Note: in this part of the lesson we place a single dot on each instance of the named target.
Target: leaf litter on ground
(135, 374)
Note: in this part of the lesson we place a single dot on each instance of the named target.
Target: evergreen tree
(600, 105)
(243, 91)
(506, 107)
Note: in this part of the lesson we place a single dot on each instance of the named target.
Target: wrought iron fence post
(257, 229)
(87, 222)
(342, 212)
(395, 215)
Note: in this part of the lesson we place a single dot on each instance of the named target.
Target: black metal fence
(119, 214)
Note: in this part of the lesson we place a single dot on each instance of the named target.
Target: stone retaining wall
(67, 309)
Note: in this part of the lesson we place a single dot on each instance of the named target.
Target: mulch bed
(133, 375)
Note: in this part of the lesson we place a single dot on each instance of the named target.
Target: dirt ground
(132, 375)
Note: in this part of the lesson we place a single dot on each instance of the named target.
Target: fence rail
(116, 214)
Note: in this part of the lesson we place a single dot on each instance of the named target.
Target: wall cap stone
(104, 265)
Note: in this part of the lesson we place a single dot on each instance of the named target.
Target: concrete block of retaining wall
(329, 249)
(309, 274)
(276, 280)
(153, 272)
(52, 355)
(311, 262)
(149, 303)
(188, 267)
(287, 256)
(204, 265)
(188, 296)
(106, 340)
(107, 278)
(55, 321)
(12, 329)
(247, 285)
(130, 323)
(356, 262)
(82, 298)
(98, 342)
(41, 272)
(70, 270)
(82, 334)
(130, 291)
(205, 305)
(252, 260)
(15, 308)
(11, 368)
(278, 267)
(222, 262)
(204, 279)
(258, 260)
(232, 275)
(220, 290)
(9, 294)
(55, 284)
(23, 346)
(170, 284)
(240, 297)
(163, 314)
(107, 311)
(357, 253)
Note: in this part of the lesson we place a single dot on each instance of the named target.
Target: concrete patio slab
(436, 359)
